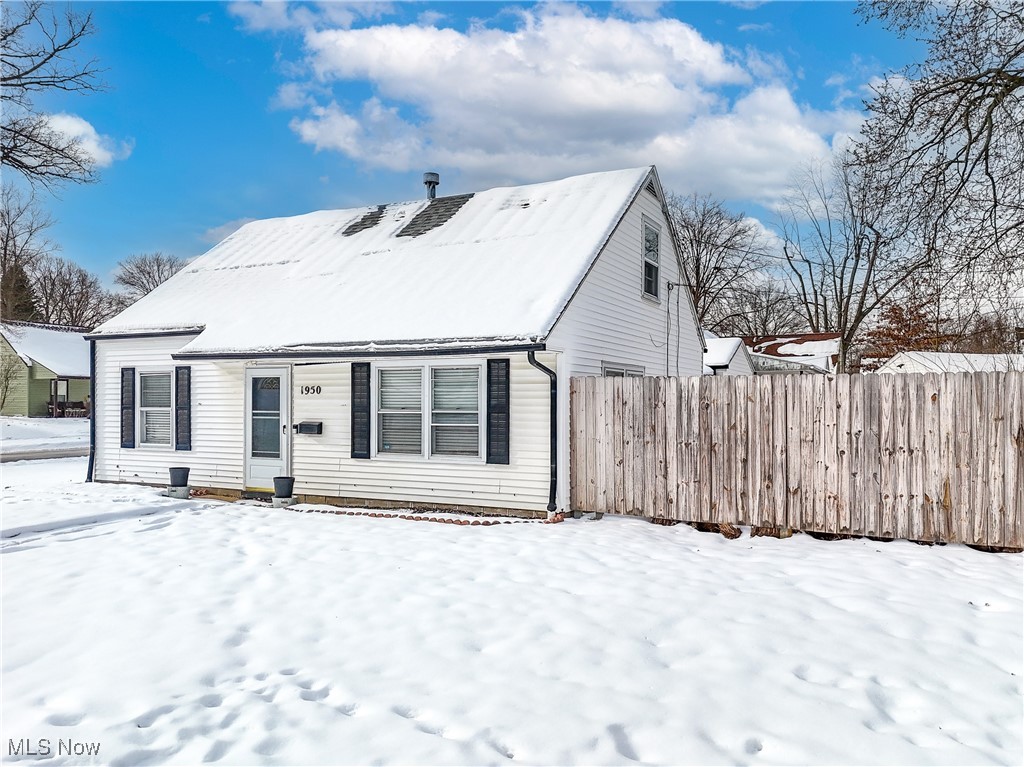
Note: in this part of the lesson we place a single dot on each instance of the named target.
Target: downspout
(531, 356)
(92, 409)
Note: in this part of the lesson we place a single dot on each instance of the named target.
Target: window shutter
(498, 411)
(360, 409)
(183, 408)
(127, 407)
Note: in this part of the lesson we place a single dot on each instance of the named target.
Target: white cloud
(430, 18)
(767, 27)
(279, 16)
(564, 92)
(215, 234)
(641, 9)
(103, 150)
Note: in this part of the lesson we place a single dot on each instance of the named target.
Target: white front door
(267, 426)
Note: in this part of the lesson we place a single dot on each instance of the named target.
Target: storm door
(267, 432)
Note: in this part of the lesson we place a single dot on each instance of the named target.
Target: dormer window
(651, 261)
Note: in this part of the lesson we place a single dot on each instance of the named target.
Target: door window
(266, 417)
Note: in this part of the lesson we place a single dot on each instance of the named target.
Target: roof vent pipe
(430, 181)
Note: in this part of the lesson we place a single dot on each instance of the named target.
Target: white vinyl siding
(218, 417)
(322, 464)
(609, 321)
(154, 403)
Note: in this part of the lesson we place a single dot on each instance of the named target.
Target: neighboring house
(405, 354)
(812, 352)
(44, 369)
(765, 364)
(726, 356)
(950, 362)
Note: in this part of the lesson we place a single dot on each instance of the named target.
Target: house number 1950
(309, 389)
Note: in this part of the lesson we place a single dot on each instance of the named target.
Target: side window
(620, 371)
(155, 409)
(651, 261)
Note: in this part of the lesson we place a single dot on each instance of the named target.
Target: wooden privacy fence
(929, 457)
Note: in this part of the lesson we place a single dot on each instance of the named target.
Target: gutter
(530, 356)
(92, 409)
(145, 334)
(342, 354)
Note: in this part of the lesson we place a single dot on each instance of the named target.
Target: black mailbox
(310, 427)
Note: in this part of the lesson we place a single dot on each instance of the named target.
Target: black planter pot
(283, 487)
(179, 476)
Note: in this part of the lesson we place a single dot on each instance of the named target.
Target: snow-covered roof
(818, 349)
(951, 362)
(497, 266)
(720, 351)
(61, 349)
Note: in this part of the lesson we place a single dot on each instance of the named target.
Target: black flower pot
(283, 487)
(179, 476)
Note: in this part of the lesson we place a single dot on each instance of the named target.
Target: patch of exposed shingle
(368, 221)
(437, 212)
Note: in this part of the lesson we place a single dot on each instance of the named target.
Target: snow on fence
(929, 457)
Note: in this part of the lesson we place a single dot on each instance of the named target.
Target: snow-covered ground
(19, 434)
(194, 631)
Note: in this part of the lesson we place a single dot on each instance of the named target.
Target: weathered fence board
(934, 457)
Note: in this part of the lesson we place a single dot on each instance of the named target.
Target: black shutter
(497, 411)
(127, 407)
(183, 408)
(360, 409)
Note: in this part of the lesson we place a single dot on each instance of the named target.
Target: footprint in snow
(212, 700)
(147, 719)
(64, 720)
(316, 695)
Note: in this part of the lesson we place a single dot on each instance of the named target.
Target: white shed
(726, 357)
(950, 362)
(412, 354)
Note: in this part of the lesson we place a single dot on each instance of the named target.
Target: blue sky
(220, 113)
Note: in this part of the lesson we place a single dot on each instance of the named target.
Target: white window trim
(644, 223)
(139, 443)
(627, 371)
(425, 411)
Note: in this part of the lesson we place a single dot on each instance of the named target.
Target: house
(414, 354)
(44, 369)
(809, 352)
(726, 356)
(950, 362)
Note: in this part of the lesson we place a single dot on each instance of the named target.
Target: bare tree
(142, 272)
(721, 254)
(23, 243)
(9, 368)
(766, 308)
(36, 56)
(951, 128)
(848, 248)
(66, 294)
